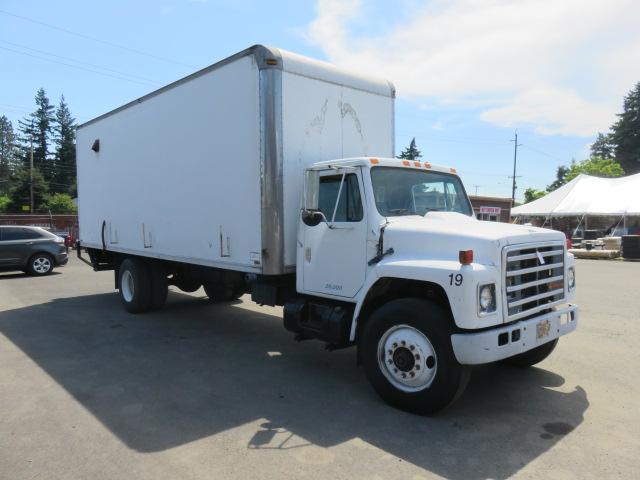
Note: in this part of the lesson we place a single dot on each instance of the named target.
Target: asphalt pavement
(222, 391)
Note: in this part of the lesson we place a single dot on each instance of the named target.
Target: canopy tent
(587, 195)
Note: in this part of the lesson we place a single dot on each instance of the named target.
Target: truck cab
(420, 285)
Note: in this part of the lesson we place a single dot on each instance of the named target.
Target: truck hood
(443, 234)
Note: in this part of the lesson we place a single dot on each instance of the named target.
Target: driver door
(334, 251)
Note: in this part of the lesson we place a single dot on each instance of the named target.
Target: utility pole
(476, 188)
(515, 161)
(31, 169)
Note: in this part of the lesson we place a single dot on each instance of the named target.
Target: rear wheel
(186, 284)
(159, 285)
(40, 264)
(533, 356)
(135, 285)
(221, 293)
(407, 355)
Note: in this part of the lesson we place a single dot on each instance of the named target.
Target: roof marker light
(465, 257)
(417, 164)
(374, 161)
(427, 165)
(406, 163)
(453, 170)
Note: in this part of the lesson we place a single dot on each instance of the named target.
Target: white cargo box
(208, 170)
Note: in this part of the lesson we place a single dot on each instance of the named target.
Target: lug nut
(412, 348)
(395, 345)
(403, 343)
(390, 352)
(417, 356)
(404, 375)
(417, 367)
(395, 370)
(390, 362)
(412, 374)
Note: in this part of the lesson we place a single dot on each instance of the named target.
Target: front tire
(135, 286)
(407, 355)
(40, 264)
(533, 356)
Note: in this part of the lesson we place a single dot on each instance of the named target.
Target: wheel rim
(127, 286)
(407, 358)
(41, 265)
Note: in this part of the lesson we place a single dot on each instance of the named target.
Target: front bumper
(62, 259)
(489, 346)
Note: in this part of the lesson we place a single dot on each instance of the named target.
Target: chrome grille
(534, 278)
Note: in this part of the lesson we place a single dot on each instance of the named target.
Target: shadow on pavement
(161, 380)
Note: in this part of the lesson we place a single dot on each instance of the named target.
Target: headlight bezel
(492, 306)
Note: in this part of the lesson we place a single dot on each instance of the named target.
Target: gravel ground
(222, 391)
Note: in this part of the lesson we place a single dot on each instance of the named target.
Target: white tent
(587, 195)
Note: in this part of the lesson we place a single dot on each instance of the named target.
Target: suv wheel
(40, 264)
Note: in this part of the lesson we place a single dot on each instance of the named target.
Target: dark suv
(31, 249)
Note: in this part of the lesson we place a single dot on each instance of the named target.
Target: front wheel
(40, 264)
(407, 355)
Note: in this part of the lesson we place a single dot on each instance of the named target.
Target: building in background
(492, 209)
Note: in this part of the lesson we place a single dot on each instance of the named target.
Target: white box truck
(271, 174)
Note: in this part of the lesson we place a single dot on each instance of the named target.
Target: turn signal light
(465, 257)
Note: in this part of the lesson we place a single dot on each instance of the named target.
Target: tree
(561, 178)
(65, 149)
(8, 152)
(625, 133)
(5, 201)
(60, 203)
(37, 127)
(594, 166)
(20, 189)
(410, 153)
(531, 194)
(603, 146)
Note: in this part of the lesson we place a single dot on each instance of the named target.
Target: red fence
(65, 223)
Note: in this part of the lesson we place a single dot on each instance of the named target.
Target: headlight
(571, 278)
(487, 299)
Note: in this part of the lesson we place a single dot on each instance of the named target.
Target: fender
(460, 283)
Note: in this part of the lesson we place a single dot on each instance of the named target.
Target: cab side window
(350, 204)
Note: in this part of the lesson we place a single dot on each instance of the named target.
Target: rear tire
(407, 355)
(186, 284)
(221, 293)
(533, 356)
(159, 285)
(135, 285)
(40, 264)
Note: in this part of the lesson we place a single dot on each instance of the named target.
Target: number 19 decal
(455, 279)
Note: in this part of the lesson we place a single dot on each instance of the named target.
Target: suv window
(17, 233)
(350, 204)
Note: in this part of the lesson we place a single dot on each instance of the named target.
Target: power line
(81, 62)
(76, 66)
(98, 40)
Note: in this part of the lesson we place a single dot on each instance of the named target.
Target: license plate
(543, 328)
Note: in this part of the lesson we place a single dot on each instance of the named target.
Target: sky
(468, 73)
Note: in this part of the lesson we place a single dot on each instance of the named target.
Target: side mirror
(311, 189)
(311, 218)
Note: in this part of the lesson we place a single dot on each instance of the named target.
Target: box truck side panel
(337, 121)
(177, 176)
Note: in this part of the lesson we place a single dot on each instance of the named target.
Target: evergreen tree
(410, 153)
(37, 127)
(20, 189)
(65, 149)
(602, 147)
(8, 153)
(625, 133)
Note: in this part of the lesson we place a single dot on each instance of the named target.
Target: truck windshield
(405, 191)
